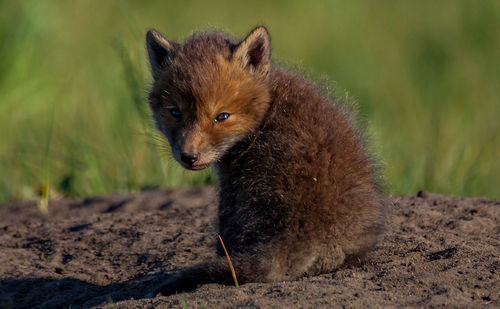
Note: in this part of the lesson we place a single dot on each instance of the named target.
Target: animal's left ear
(254, 52)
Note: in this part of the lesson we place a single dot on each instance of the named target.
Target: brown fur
(297, 192)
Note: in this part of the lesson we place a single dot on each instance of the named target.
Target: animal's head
(209, 92)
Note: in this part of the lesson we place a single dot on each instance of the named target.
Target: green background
(74, 78)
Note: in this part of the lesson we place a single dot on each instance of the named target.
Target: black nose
(189, 158)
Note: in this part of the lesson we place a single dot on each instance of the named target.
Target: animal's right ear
(160, 52)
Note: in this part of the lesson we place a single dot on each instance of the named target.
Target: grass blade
(230, 264)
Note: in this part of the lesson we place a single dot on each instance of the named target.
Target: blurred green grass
(74, 79)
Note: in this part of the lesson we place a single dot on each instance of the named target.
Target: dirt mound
(110, 250)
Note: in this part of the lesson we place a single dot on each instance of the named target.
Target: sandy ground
(108, 251)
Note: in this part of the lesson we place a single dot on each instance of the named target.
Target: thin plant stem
(230, 264)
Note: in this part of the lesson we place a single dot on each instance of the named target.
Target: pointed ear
(254, 52)
(160, 52)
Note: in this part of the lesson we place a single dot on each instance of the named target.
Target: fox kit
(298, 195)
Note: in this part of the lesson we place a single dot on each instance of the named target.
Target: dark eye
(221, 117)
(175, 112)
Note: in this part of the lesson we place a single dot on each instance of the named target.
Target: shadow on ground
(110, 251)
(71, 292)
